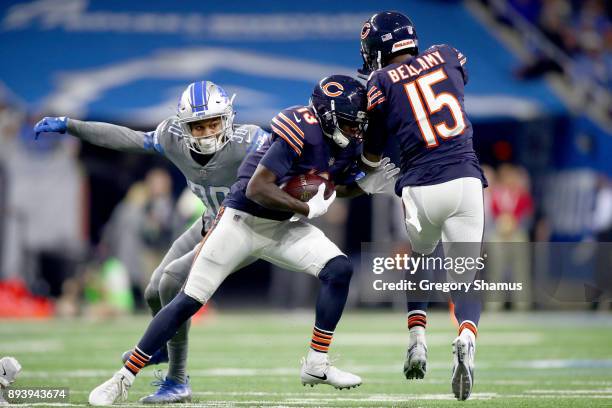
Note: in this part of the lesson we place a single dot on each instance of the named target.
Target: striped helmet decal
(198, 97)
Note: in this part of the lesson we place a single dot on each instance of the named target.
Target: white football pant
(451, 211)
(237, 237)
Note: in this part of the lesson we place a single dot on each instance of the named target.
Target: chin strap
(337, 136)
(340, 139)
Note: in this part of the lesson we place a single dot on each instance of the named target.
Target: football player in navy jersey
(416, 98)
(259, 220)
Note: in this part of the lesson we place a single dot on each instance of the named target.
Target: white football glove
(318, 204)
(381, 179)
(9, 368)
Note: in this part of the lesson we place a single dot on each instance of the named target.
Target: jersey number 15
(421, 90)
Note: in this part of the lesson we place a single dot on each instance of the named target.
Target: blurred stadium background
(82, 228)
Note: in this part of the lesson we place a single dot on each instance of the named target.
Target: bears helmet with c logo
(339, 101)
(384, 35)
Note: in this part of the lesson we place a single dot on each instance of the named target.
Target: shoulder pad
(171, 126)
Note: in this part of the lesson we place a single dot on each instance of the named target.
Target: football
(305, 186)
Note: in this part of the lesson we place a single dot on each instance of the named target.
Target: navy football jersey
(419, 102)
(296, 146)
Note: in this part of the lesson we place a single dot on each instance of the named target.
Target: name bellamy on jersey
(426, 61)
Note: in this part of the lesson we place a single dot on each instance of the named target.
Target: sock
(335, 279)
(135, 363)
(321, 339)
(177, 356)
(127, 374)
(316, 357)
(417, 319)
(418, 300)
(467, 308)
(468, 328)
(170, 285)
(165, 324)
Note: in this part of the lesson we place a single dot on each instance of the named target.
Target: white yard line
(570, 392)
(562, 363)
(32, 346)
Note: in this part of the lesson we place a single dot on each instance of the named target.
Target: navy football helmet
(339, 102)
(383, 36)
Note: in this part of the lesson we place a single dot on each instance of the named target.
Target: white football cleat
(463, 367)
(110, 391)
(415, 365)
(317, 369)
(9, 369)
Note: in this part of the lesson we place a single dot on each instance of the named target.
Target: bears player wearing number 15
(417, 99)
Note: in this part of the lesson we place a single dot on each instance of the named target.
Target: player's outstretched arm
(263, 190)
(101, 134)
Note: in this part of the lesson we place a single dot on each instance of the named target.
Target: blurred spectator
(44, 232)
(189, 208)
(512, 210)
(583, 31)
(553, 20)
(158, 225)
(591, 16)
(489, 225)
(512, 204)
(141, 229)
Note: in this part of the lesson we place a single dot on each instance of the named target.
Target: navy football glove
(49, 124)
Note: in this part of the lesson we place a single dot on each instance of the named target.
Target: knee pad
(151, 296)
(169, 287)
(338, 269)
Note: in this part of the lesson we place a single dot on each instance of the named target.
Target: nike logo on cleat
(324, 377)
(3, 369)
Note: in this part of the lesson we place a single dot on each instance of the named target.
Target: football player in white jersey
(203, 142)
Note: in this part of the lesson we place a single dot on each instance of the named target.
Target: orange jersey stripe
(289, 132)
(292, 123)
(376, 95)
(372, 91)
(286, 139)
(376, 103)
